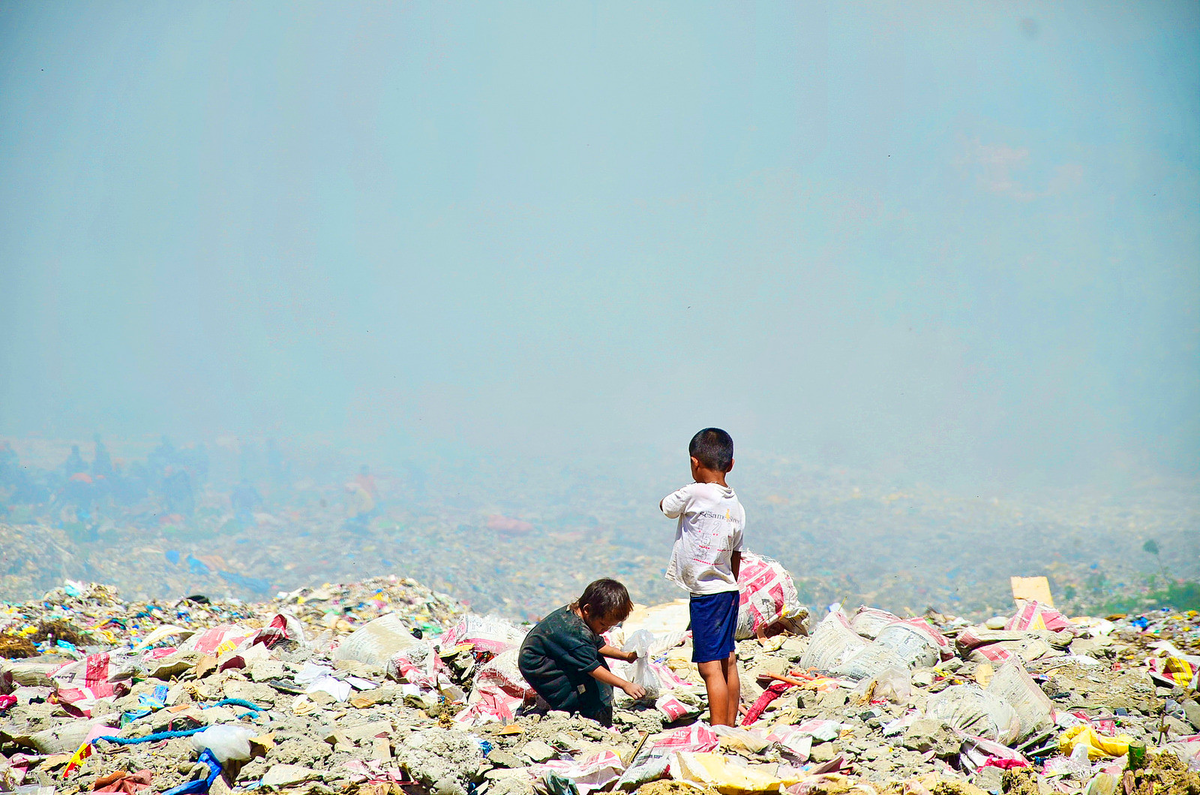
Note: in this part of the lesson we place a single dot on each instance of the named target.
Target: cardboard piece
(1032, 589)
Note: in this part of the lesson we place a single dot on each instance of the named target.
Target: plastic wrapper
(1035, 615)
(588, 774)
(697, 737)
(1098, 746)
(499, 690)
(727, 776)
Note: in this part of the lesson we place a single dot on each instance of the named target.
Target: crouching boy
(562, 658)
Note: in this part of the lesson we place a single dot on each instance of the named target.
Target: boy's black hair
(713, 448)
(606, 598)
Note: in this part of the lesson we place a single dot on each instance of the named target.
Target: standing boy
(705, 560)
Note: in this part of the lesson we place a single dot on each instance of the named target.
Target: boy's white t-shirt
(711, 521)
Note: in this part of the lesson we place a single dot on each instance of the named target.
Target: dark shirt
(557, 658)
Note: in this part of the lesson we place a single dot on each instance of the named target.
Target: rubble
(383, 684)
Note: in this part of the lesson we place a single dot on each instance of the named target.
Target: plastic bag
(868, 621)
(377, 641)
(226, 742)
(916, 641)
(869, 662)
(1098, 746)
(768, 595)
(587, 774)
(975, 711)
(832, 643)
(1035, 615)
(1012, 684)
(640, 670)
(485, 633)
(217, 640)
(891, 684)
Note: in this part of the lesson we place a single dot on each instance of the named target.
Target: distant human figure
(245, 498)
(367, 481)
(360, 506)
(161, 457)
(562, 658)
(705, 560)
(177, 488)
(102, 465)
(74, 462)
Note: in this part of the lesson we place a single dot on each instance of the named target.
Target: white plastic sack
(870, 661)
(668, 622)
(377, 641)
(1016, 687)
(217, 640)
(831, 644)
(915, 641)
(499, 690)
(226, 741)
(868, 621)
(588, 774)
(976, 712)
(768, 595)
(484, 633)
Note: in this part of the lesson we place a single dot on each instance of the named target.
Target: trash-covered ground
(518, 538)
(384, 686)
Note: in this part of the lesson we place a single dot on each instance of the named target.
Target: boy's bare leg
(715, 682)
(733, 688)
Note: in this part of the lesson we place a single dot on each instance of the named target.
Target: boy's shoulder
(563, 623)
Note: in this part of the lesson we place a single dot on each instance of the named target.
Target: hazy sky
(951, 237)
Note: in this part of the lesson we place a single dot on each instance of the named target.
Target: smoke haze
(955, 242)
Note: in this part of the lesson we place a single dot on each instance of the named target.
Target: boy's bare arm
(616, 654)
(602, 674)
(735, 563)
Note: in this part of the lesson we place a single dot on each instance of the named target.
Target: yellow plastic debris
(1178, 670)
(727, 776)
(1098, 746)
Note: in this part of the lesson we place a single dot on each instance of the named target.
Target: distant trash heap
(383, 685)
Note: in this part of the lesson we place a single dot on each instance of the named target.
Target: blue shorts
(714, 619)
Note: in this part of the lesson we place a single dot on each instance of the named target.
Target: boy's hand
(630, 656)
(633, 691)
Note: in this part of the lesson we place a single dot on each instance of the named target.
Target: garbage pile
(383, 686)
(496, 533)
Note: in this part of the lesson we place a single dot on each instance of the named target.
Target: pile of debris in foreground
(383, 685)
